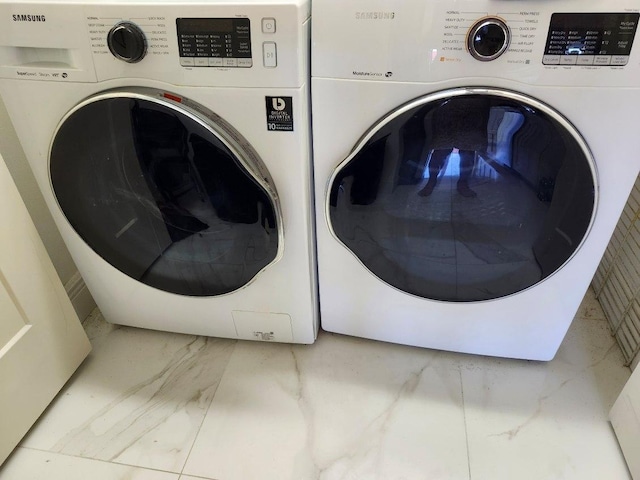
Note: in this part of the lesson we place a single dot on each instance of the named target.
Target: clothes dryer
(171, 141)
(471, 161)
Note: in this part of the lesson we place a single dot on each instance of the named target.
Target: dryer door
(166, 192)
(465, 195)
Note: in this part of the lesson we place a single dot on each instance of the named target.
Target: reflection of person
(458, 123)
(437, 161)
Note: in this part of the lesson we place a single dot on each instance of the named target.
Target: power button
(268, 25)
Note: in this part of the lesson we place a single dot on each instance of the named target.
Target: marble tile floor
(149, 405)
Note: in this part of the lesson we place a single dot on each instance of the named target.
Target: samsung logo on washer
(375, 15)
(29, 18)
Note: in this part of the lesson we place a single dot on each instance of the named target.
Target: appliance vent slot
(617, 281)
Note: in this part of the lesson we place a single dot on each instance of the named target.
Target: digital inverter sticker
(279, 114)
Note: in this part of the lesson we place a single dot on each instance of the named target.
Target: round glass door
(164, 194)
(465, 195)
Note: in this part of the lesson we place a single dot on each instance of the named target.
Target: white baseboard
(80, 297)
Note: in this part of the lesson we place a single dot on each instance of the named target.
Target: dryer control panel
(564, 42)
(601, 39)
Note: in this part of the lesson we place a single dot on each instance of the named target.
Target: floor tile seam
(464, 417)
(108, 462)
(185, 475)
(204, 417)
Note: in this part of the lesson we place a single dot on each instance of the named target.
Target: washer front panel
(465, 195)
(164, 196)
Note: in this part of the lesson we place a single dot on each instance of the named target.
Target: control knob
(127, 42)
(488, 39)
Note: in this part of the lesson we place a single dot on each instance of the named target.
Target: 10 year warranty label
(279, 114)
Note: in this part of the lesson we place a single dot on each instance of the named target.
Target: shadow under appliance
(470, 167)
(171, 142)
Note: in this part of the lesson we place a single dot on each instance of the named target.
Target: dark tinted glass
(464, 199)
(161, 198)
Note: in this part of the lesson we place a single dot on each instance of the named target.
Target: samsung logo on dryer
(29, 18)
(375, 15)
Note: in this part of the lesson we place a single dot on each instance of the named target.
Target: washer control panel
(223, 44)
(214, 42)
(599, 39)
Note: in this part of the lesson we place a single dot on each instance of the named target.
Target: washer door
(465, 195)
(166, 192)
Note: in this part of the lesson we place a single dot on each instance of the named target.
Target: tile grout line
(108, 462)
(204, 417)
(464, 416)
(194, 476)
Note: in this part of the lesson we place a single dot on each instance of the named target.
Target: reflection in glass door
(160, 195)
(465, 195)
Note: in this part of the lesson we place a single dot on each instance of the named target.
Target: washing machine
(471, 158)
(171, 142)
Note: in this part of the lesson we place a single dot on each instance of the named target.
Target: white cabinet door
(41, 339)
(625, 418)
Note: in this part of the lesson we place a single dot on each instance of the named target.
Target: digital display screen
(225, 38)
(205, 25)
(603, 35)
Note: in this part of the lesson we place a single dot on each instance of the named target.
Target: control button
(619, 60)
(202, 62)
(245, 62)
(488, 39)
(215, 62)
(127, 42)
(269, 55)
(268, 25)
(568, 59)
(602, 60)
(187, 61)
(230, 62)
(585, 60)
(551, 60)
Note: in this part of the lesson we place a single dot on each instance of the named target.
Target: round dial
(127, 42)
(488, 39)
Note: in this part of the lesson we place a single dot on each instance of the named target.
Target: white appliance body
(214, 74)
(374, 65)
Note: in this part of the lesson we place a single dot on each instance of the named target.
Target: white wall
(22, 175)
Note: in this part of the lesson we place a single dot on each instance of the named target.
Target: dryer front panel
(465, 195)
(166, 194)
